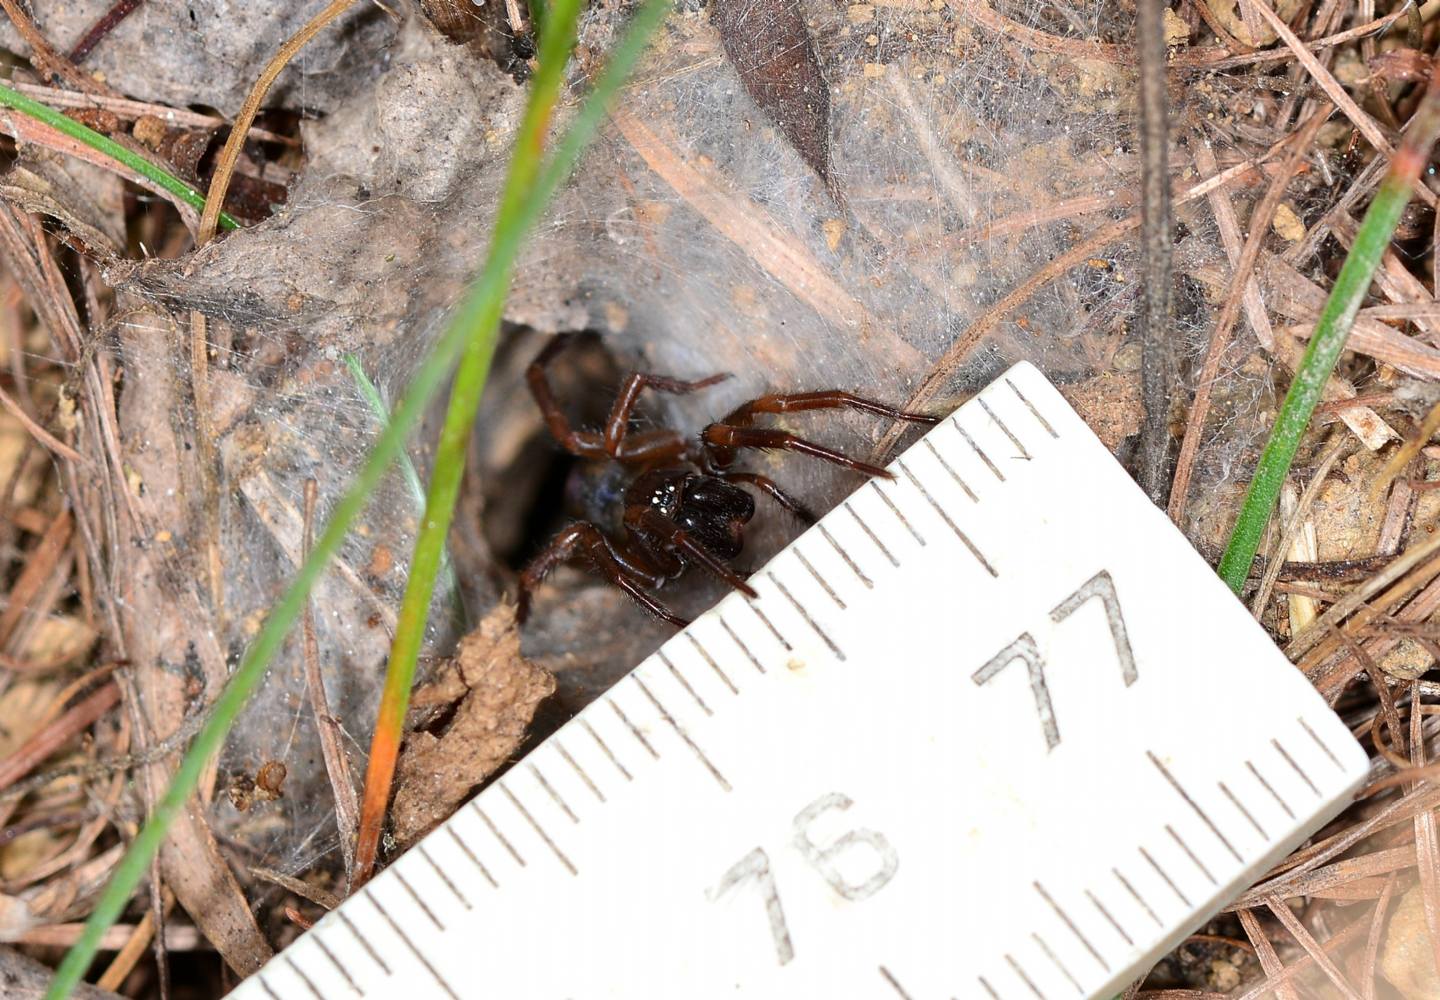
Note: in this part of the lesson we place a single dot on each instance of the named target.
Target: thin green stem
(460, 417)
(468, 324)
(104, 144)
(371, 395)
(1328, 339)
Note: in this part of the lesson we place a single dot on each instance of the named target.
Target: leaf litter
(801, 193)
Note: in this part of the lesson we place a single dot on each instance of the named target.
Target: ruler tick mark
(896, 511)
(683, 682)
(1179, 790)
(955, 423)
(1276, 795)
(739, 642)
(1180, 841)
(894, 984)
(365, 891)
(1031, 407)
(538, 829)
(1243, 811)
(1071, 924)
(766, 622)
(633, 731)
(1023, 976)
(474, 804)
(1001, 424)
(579, 770)
(825, 534)
(705, 654)
(866, 528)
(946, 466)
(964, 539)
(266, 986)
(1164, 875)
(471, 855)
(418, 901)
(303, 978)
(785, 592)
(684, 736)
(1055, 960)
(420, 849)
(1094, 901)
(319, 940)
(819, 579)
(988, 988)
(1321, 744)
(605, 747)
(364, 941)
(1291, 761)
(550, 791)
(1138, 898)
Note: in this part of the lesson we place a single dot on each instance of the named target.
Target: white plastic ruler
(991, 729)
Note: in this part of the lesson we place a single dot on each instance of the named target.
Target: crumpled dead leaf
(494, 691)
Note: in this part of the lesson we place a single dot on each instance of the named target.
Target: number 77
(1024, 648)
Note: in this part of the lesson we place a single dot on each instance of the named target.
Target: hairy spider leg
(617, 441)
(585, 539)
(645, 519)
(724, 437)
(829, 399)
(771, 488)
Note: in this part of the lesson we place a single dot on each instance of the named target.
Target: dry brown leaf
(495, 692)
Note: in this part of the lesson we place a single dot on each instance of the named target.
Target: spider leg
(724, 440)
(677, 537)
(616, 441)
(768, 486)
(830, 399)
(585, 539)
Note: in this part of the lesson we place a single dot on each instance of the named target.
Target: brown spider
(681, 509)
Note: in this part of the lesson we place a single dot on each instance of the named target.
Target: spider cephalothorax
(683, 508)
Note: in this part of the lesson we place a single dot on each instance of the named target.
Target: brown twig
(55, 735)
(43, 56)
(230, 154)
(1260, 220)
(102, 27)
(1157, 367)
(337, 764)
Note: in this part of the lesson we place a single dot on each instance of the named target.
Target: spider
(678, 498)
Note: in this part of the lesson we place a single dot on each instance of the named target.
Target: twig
(1157, 366)
(230, 154)
(1260, 219)
(1292, 526)
(124, 107)
(337, 765)
(101, 28)
(57, 734)
(40, 434)
(306, 891)
(43, 55)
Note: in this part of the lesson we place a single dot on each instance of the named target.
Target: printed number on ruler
(975, 737)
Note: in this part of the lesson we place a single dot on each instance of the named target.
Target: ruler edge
(1038, 391)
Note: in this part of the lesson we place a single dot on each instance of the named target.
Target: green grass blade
(460, 417)
(1328, 340)
(484, 300)
(556, 41)
(371, 395)
(104, 144)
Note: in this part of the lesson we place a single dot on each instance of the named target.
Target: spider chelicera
(670, 502)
